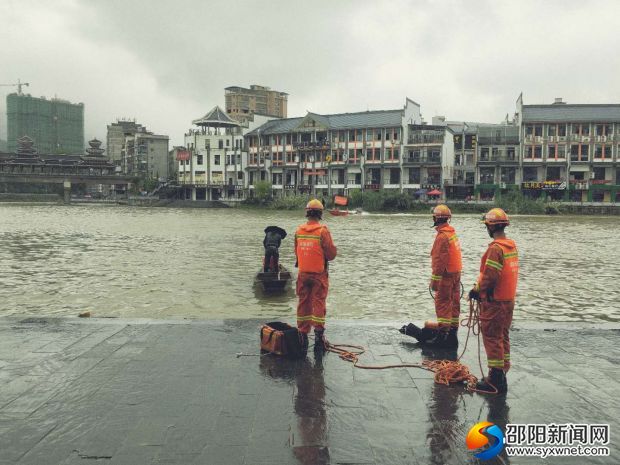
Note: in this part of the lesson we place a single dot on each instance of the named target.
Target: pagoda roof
(216, 118)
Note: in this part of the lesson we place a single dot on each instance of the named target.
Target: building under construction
(56, 126)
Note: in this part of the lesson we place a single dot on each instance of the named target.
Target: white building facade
(212, 166)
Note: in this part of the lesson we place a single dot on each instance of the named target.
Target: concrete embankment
(175, 392)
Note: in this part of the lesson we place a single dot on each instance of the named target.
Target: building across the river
(55, 126)
(557, 151)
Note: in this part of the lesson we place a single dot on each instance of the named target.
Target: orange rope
(446, 371)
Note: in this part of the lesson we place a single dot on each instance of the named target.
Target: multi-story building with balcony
(569, 151)
(330, 154)
(428, 159)
(497, 159)
(212, 164)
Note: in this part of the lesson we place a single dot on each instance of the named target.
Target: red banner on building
(182, 155)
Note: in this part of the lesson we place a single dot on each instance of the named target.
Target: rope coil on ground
(446, 371)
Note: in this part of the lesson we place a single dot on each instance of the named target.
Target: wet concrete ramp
(175, 392)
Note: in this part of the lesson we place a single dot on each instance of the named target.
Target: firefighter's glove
(474, 294)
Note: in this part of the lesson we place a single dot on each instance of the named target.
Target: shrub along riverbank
(386, 201)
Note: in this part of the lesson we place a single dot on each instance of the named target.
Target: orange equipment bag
(281, 339)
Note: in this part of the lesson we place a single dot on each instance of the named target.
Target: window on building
(598, 173)
(584, 151)
(552, 151)
(227, 142)
(220, 144)
(395, 176)
(561, 151)
(414, 155)
(598, 151)
(561, 130)
(487, 175)
(377, 134)
(583, 129)
(538, 151)
(530, 173)
(510, 153)
(508, 175)
(216, 160)
(607, 151)
(199, 159)
(529, 130)
(414, 175)
(553, 173)
(603, 129)
(538, 130)
(551, 130)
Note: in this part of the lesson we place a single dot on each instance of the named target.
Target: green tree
(262, 191)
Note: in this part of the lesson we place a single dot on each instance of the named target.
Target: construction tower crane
(19, 85)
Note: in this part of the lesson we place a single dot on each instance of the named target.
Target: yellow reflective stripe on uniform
(318, 319)
(308, 236)
(495, 363)
(511, 255)
(435, 277)
(444, 320)
(494, 264)
(506, 356)
(453, 238)
(304, 318)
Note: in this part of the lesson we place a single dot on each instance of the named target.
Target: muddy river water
(201, 263)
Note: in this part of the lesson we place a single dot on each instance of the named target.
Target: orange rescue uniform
(313, 248)
(497, 283)
(446, 276)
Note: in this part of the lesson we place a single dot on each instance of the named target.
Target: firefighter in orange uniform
(446, 279)
(314, 248)
(496, 289)
(446, 283)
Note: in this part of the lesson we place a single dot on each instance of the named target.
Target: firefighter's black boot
(319, 340)
(411, 330)
(495, 383)
(452, 341)
(443, 340)
(304, 344)
(421, 334)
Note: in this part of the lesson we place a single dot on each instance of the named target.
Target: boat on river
(339, 201)
(274, 281)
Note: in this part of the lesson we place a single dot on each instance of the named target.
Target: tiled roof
(605, 113)
(365, 119)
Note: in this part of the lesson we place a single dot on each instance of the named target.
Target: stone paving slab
(77, 391)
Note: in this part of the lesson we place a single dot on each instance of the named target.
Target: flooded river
(200, 263)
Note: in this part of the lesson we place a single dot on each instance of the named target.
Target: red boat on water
(342, 202)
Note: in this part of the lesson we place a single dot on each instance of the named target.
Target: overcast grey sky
(167, 62)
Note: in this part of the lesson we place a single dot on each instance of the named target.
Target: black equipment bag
(281, 339)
